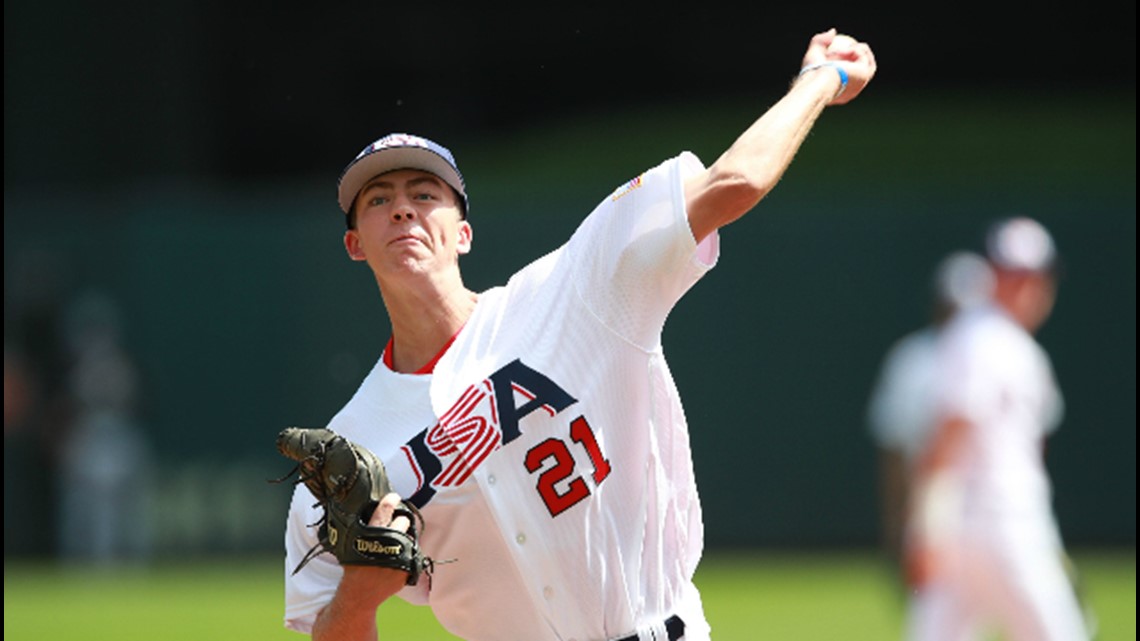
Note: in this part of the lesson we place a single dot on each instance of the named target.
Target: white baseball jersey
(999, 379)
(1002, 563)
(548, 451)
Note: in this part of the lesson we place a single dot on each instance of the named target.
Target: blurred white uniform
(1001, 556)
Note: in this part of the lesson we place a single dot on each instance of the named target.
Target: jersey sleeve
(309, 590)
(634, 256)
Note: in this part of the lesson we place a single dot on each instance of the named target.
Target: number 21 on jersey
(558, 450)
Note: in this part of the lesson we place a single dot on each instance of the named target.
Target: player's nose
(402, 210)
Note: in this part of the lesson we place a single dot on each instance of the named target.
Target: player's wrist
(843, 78)
(369, 586)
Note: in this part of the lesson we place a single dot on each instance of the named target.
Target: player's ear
(463, 241)
(352, 245)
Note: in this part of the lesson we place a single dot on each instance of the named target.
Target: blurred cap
(398, 151)
(963, 279)
(1020, 244)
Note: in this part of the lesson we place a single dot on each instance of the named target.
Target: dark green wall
(246, 317)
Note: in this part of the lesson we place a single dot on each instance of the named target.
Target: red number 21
(557, 449)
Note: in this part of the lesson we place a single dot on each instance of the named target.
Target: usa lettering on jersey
(485, 418)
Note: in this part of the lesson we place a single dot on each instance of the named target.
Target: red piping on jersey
(430, 366)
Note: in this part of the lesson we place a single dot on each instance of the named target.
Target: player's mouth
(404, 240)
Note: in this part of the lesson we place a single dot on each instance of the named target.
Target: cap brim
(390, 159)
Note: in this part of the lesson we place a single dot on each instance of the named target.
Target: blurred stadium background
(175, 290)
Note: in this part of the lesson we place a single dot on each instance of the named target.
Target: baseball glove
(348, 481)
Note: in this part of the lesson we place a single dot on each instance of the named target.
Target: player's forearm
(754, 164)
(343, 621)
(351, 615)
(764, 151)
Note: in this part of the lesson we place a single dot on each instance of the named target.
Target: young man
(983, 546)
(536, 424)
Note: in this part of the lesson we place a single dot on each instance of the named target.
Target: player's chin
(408, 260)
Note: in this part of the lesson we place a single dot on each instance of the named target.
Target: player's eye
(424, 196)
(376, 201)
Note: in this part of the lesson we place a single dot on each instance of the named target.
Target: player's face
(1028, 296)
(408, 221)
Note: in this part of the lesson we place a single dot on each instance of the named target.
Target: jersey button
(521, 538)
(491, 479)
(548, 592)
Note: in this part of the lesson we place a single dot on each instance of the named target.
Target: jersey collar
(429, 367)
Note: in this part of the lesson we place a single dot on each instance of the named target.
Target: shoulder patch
(628, 187)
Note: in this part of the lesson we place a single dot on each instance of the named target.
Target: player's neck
(423, 325)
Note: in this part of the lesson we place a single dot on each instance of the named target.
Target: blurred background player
(983, 548)
(901, 411)
(106, 458)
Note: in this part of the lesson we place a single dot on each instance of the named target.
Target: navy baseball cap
(1021, 244)
(398, 151)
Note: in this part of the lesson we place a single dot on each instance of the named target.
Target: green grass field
(750, 596)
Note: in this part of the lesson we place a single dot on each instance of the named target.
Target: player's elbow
(733, 193)
(724, 193)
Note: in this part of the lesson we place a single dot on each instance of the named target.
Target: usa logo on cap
(399, 151)
(401, 140)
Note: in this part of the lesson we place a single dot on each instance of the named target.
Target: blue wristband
(835, 65)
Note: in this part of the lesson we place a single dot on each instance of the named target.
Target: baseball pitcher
(534, 427)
